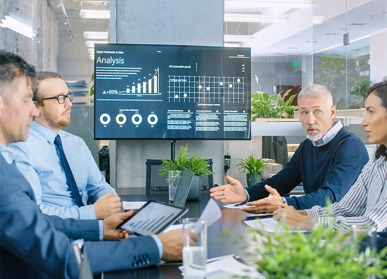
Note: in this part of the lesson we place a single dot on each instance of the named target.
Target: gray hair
(316, 91)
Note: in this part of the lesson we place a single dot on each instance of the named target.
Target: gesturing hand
(266, 205)
(110, 224)
(107, 205)
(230, 193)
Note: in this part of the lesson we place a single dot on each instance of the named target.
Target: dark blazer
(35, 245)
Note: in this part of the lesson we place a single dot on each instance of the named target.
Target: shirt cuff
(100, 230)
(87, 212)
(159, 244)
(248, 196)
(284, 200)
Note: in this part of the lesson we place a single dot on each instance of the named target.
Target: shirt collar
(332, 132)
(8, 153)
(45, 132)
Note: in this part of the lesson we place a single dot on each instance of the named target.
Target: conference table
(222, 237)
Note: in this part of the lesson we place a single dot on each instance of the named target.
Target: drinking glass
(173, 181)
(194, 253)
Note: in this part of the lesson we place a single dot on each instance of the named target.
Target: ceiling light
(91, 56)
(293, 48)
(91, 43)
(233, 17)
(90, 51)
(310, 41)
(331, 34)
(237, 38)
(18, 26)
(278, 53)
(231, 45)
(357, 24)
(292, 4)
(98, 14)
(96, 35)
(317, 19)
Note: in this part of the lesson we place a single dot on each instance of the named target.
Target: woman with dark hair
(365, 204)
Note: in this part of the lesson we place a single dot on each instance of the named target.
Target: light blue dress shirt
(10, 156)
(37, 159)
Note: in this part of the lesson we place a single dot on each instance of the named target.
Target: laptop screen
(183, 188)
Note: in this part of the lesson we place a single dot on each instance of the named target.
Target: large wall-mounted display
(172, 92)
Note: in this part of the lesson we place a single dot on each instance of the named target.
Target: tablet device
(183, 188)
(152, 218)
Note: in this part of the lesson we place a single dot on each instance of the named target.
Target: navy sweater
(327, 172)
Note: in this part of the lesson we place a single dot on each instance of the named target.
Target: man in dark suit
(35, 245)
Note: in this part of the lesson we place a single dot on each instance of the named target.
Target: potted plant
(186, 161)
(253, 167)
(322, 253)
(265, 106)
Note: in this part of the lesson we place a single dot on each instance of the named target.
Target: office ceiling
(296, 36)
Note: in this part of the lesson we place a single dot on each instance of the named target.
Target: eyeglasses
(61, 98)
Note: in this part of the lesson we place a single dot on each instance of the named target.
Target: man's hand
(230, 193)
(107, 205)
(266, 205)
(110, 224)
(173, 244)
(294, 218)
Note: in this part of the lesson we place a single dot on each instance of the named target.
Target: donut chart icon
(121, 119)
(136, 119)
(152, 119)
(105, 119)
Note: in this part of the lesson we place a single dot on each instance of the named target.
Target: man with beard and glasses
(58, 165)
(327, 163)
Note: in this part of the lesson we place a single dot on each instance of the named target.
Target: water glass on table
(194, 253)
(173, 181)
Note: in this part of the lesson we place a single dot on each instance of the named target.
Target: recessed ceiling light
(95, 35)
(357, 24)
(235, 17)
(331, 34)
(91, 43)
(310, 41)
(98, 14)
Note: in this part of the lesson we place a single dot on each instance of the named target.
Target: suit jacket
(35, 245)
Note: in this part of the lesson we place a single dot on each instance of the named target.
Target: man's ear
(333, 112)
(1, 106)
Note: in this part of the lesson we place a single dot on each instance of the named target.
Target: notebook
(183, 188)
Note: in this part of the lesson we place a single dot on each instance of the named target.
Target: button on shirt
(38, 160)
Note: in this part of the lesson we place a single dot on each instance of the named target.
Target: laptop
(183, 188)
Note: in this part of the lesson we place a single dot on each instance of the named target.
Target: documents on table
(132, 205)
(228, 267)
(237, 205)
(269, 225)
(211, 213)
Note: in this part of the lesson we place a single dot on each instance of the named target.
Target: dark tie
(69, 174)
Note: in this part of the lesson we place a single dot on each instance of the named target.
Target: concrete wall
(42, 50)
(195, 22)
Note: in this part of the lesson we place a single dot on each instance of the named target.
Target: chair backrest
(155, 181)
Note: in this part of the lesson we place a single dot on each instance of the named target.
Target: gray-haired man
(327, 163)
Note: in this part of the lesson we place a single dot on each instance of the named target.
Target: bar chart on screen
(148, 84)
(206, 89)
